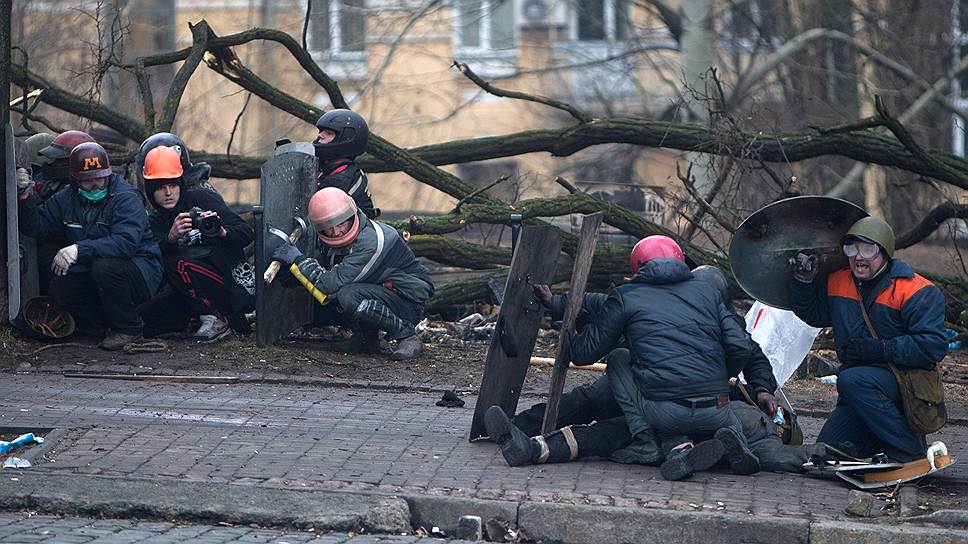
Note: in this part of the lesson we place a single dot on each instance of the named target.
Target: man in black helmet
(342, 137)
(111, 262)
(882, 314)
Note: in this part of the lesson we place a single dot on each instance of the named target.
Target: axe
(274, 266)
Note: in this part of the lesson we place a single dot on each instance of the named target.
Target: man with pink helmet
(367, 278)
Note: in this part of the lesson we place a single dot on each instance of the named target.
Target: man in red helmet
(674, 381)
(367, 277)
(111, 262)
(48, 175)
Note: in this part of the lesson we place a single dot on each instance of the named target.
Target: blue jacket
(680, 335)
(116, 226)
(905, 309)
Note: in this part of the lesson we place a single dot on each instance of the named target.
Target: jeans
(869, 415)
(582, 405)
(674, 424)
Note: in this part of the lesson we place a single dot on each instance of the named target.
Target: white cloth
(783, 337)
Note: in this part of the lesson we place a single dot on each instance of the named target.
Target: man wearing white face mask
(906, 329)
(111, 263)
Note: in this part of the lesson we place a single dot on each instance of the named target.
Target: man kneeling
(366, 279)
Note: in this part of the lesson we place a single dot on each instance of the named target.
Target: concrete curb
(204, 502)
(838, 532)
(444, 512)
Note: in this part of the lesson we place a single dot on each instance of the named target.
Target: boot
(517, 447)
(363, 340)
(683, 462)
(407, 349)
(741, 459)
(115, 340)
(642, 450)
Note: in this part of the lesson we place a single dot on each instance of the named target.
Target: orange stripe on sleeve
(901, 290)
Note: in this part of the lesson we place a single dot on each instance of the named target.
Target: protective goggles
(864, 250)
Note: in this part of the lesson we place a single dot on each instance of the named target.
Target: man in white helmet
(367, 277)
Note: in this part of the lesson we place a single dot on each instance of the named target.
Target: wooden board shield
(288, 181)
(509, 354)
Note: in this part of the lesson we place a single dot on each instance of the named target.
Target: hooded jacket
(905, 309)
(680, 335)
(116, 226)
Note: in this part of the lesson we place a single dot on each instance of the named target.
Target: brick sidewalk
(357, 439)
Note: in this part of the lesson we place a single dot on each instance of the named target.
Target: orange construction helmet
(653, 247)
(329, 207)
(162, 162)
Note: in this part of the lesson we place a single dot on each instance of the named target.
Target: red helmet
(654, 247)
(64, 143)
(89, 161)
(329, 207)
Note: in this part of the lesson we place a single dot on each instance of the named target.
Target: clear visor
(863, 249)
(332, 231)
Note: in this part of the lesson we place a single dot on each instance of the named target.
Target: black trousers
(194, 287)
(105, 297)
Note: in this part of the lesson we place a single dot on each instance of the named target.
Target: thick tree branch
(573, 111)
(930, 223)
(200, 36)
(905, 137)
(147, 98)
(77, 105)
(302, 56)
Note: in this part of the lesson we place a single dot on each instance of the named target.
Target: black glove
(865, 351)
(805, 268)
(287, 253)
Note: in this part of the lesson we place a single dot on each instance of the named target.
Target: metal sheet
(288, 181)
(763, 247)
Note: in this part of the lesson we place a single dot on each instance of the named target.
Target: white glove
(64, 259)
(24, 181)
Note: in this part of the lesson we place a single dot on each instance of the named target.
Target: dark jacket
(750, 360)
(348, 176)
(675, 327)
(226, 254)
(116, 226)
(905, 309)
(379, 256)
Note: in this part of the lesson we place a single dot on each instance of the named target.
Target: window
(337, 26)
(485, 24)
(601, 20)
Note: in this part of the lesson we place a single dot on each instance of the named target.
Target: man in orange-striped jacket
(907, 314)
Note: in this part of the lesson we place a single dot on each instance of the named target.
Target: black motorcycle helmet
(351, 131)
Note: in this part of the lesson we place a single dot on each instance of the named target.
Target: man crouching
(367, 278)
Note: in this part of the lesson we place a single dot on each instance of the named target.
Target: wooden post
(513, 339)
(579, 276)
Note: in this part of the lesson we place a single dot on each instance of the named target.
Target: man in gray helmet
(882, 313)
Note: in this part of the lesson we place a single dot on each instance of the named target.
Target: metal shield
(288, 181)
(763, 248)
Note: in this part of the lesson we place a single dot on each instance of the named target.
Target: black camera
(209, 225)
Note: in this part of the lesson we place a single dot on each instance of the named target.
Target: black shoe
(515, 445)
(741, 459)
(681, 464)
(115, 341)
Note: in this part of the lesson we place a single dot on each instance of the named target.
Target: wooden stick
(274, 266)
(550, 361)
(579, 276)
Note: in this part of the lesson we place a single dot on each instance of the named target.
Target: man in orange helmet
(367, 277)
(111, 262)
(202, 242)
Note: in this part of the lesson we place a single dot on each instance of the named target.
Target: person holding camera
(202, 243)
